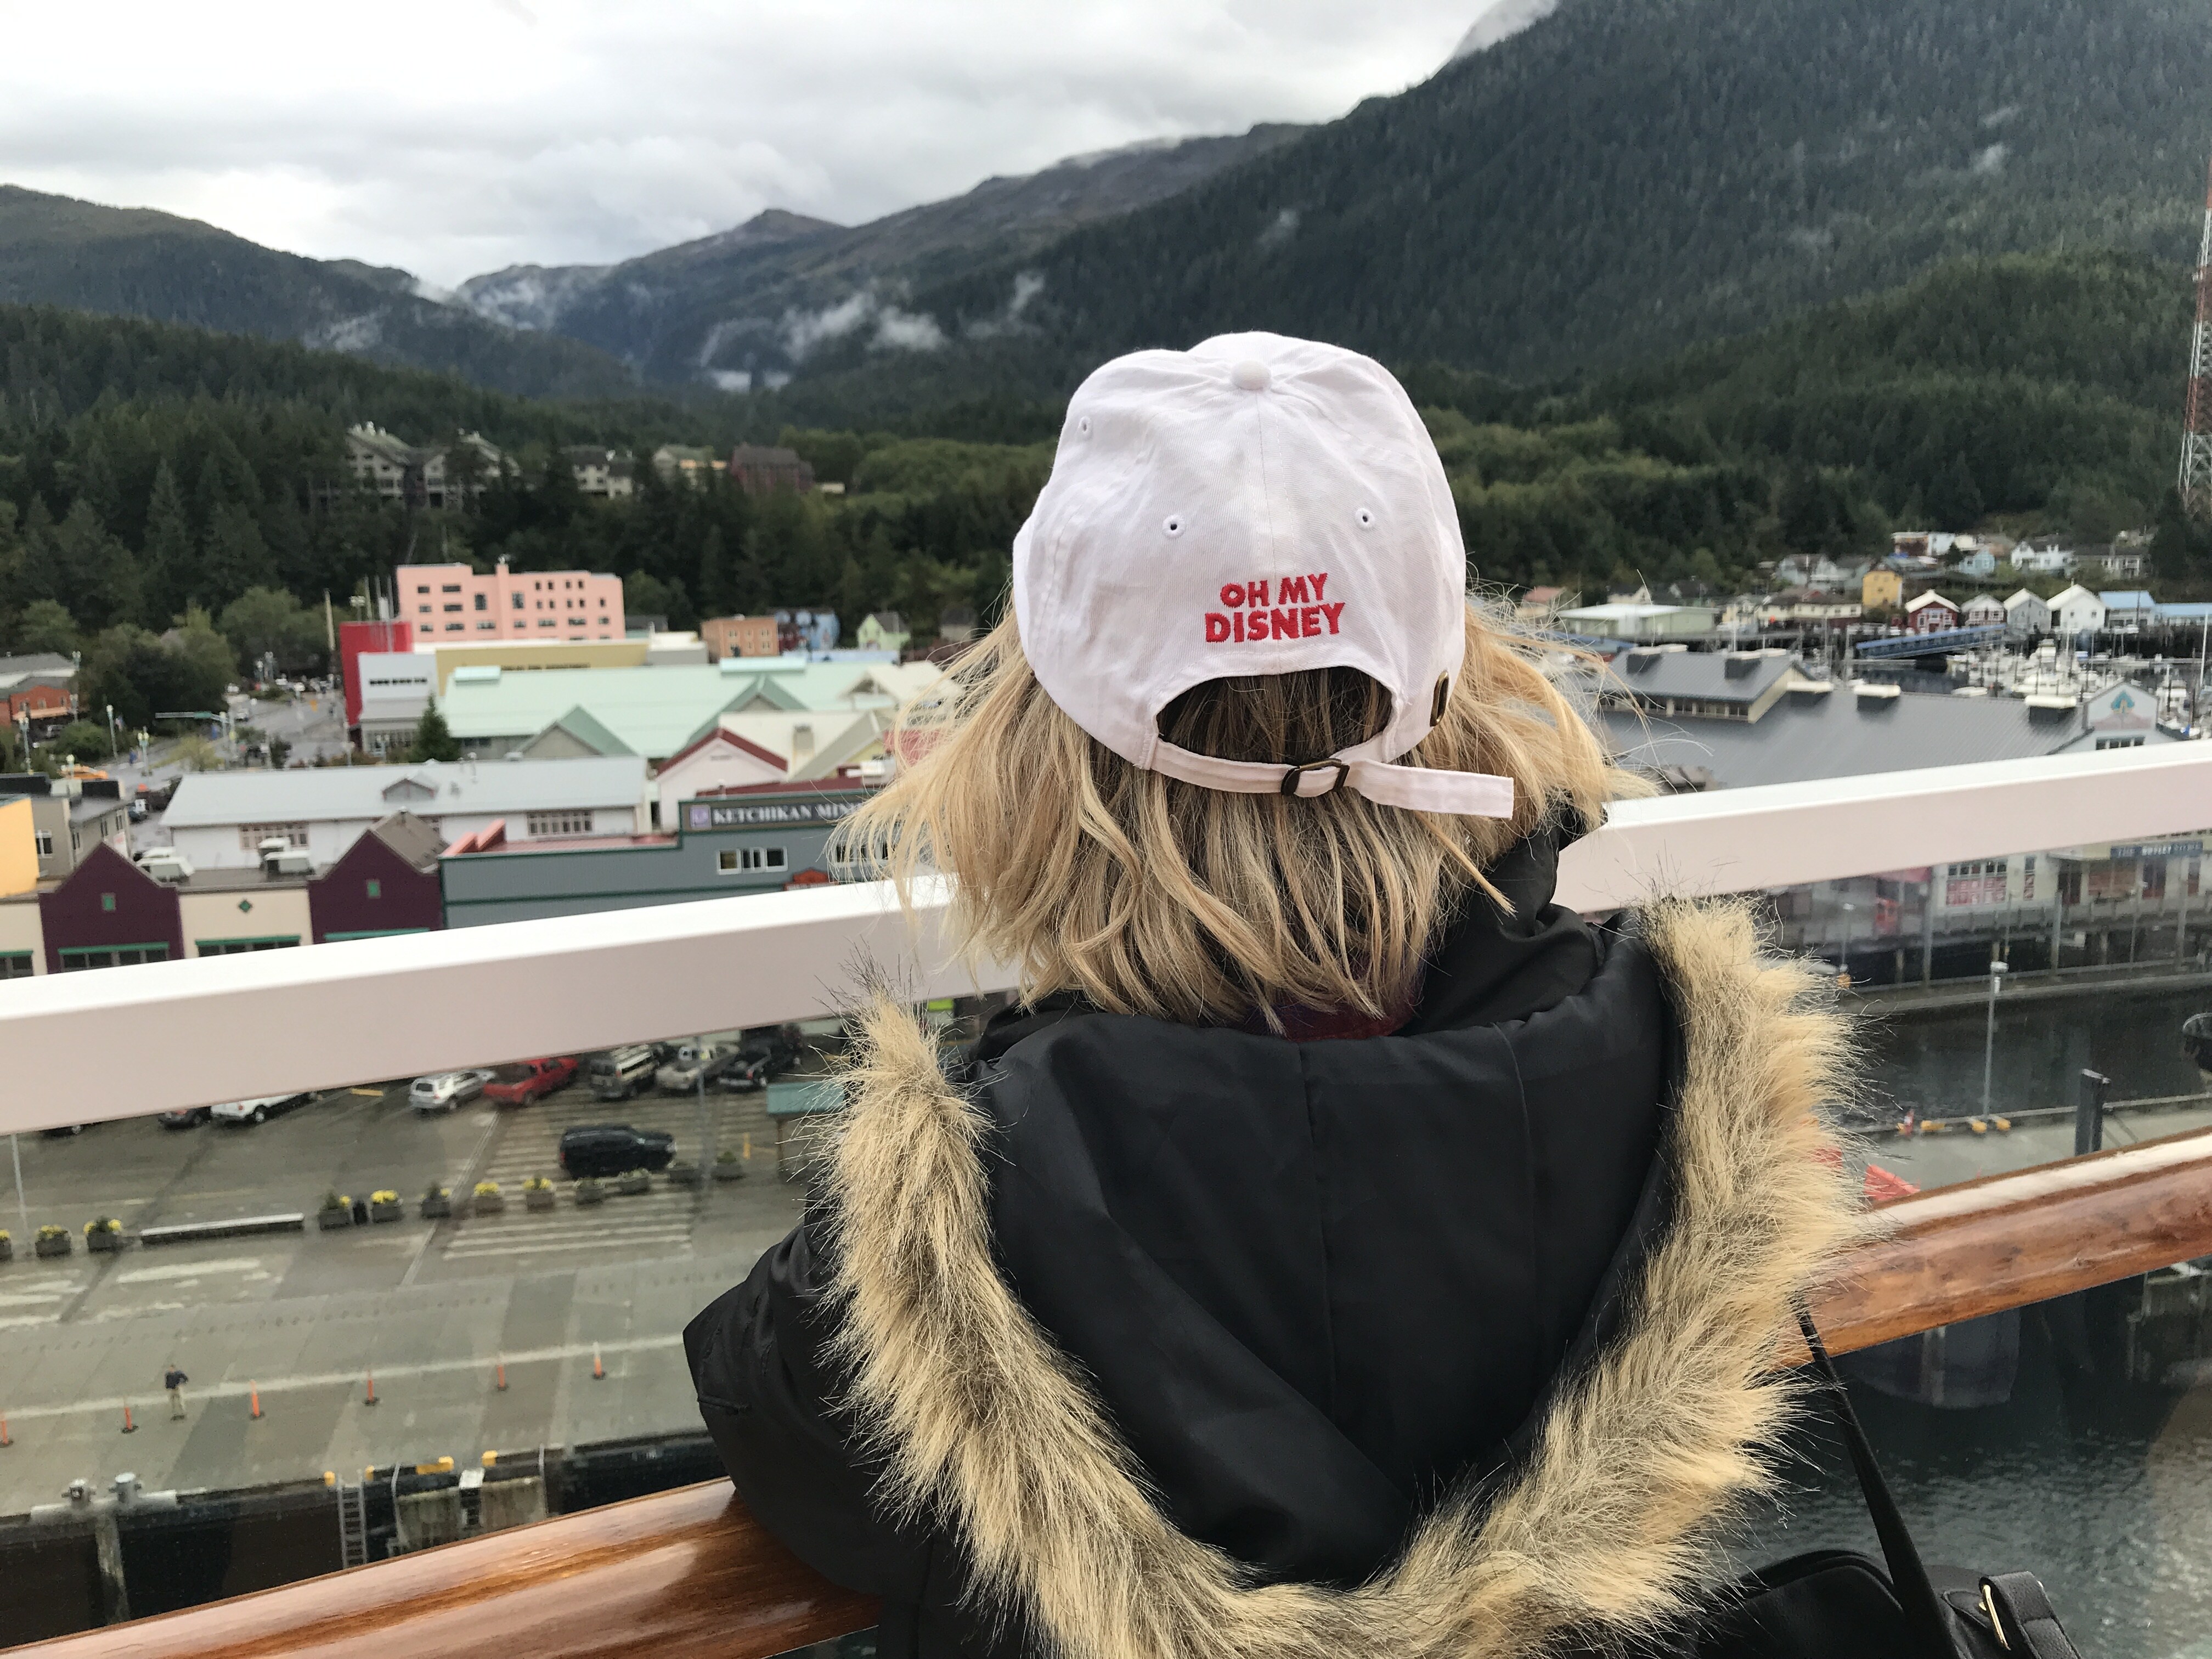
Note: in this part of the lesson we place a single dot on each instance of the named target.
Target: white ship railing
(119, 1043)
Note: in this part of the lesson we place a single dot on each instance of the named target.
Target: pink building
(448, 602)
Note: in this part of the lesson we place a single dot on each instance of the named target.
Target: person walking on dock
(174, 1380)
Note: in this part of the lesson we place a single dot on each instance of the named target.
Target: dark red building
(386, 882)
(109, 913)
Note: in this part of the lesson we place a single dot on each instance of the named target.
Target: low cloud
(894, 327)
(561, 133)
(1028, 284)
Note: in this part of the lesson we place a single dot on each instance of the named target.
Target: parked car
(526, 1080)
(190, 1118)
(753, 1065)
(681, 1074)
(618, 1074)
(442, 1091)
(611, 1149)
(258, 1111)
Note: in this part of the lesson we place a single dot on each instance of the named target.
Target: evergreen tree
(233, 557)
(1953, 498)
(39, 571)
(47, 625)
(713, 584)
(165, 560)
(434, 738)
(99, 572)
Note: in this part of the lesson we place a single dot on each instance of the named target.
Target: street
(300, 1322)
(314, 725)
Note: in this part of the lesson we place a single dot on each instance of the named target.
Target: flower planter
(537, 1198)
(6, 1249)
(330, 1220)
(489, 1203)
(729, 1169)
(103, 1240)
(61, 1246)
(387, 1212)
(683, 1175)
(438, 1208)
(634, 1182)
(590, 1192)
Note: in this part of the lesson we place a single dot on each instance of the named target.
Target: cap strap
(1466, 794)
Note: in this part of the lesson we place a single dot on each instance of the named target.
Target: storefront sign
(758, 814)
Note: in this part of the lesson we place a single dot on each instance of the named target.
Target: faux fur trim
(1604, 1533)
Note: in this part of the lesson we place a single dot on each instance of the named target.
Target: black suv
(752, 1066)
(613, 1149)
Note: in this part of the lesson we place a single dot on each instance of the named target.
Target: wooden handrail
(690, 1575)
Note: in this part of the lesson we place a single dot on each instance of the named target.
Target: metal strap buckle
(1292, 777)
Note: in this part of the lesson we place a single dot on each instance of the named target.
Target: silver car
(442, 1091)
(681, 1075)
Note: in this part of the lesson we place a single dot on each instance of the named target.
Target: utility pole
(1989, 1036)
(2196, 474)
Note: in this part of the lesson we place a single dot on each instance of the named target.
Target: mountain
(1616, 181)
(743, 308)
(135, 262)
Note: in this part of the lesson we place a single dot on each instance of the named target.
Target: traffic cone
(129, 1427)
(253, 1395)
(598, 1367)
(501, 1383)
(371, 1401)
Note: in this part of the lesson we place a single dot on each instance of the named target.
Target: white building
(2076, 611)
(396, 687)
(1983, 610)
(2044, 559)
(219, 819)
(2026, 614)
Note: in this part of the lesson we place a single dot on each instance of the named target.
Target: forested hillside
(1621, 180)
(133, 262)
(149, 474)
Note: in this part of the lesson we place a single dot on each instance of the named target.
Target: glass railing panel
(2072, 1438)
(400, 1314)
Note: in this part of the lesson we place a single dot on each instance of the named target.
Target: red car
(530, 1079)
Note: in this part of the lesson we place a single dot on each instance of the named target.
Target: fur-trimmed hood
(1599, 1529)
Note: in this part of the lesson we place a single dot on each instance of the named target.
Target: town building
(1983, 610)
(1976, 562)
(110, 913)
(2046, 556)
(1671, 680)
(219, 820)
(38, 692)
(419, 475)
(759, 749)
(739, 637)
(604, 474)
(656, 712)
(2025, 613)
(69, 816)
(758, 468)
(957, 624)
(1931, 613)
(691, 466)
(882, 630)
(2076, 611)
(746, 840)
(396, 690)
(357, 639)
(1819, 572)
(1631, 621)
(2129, 608)
(19, 847)
(811, 631)
(446, 600)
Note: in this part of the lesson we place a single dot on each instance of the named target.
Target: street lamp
(111, 726)
(1844, 967)
(1989, 1033)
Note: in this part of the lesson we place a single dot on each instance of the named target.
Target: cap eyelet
(1083, 425)
(1174, 524)
(1366, 519)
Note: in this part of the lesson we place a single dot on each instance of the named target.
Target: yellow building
(19, 849)
(1881, 590)
(516, 655)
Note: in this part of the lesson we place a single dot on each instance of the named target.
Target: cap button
(1250, 375)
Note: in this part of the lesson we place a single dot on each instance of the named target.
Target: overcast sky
(455, 137)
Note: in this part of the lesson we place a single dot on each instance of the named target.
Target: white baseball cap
(1256, 505)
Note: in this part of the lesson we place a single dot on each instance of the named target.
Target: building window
(559, 823)
(375, 888)
(450, 587)
(14, 964)
(457, 628)
(108, 901)
(740, 860)
(45, 839)
(422, 590)
(518, 601)
(2120, 743)
(483, 601)
(76, 957)
(238, 947)
(547, 622)
(250, 835)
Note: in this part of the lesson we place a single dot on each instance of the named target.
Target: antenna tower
(2196, 480)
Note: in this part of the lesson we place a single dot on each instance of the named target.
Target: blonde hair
(1154, 896)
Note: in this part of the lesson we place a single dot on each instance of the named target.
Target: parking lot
(582, 1307)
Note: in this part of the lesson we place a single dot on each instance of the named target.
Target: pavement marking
(384, 1374)
(170, 1272)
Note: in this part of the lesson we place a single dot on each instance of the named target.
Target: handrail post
(2089, 1113)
